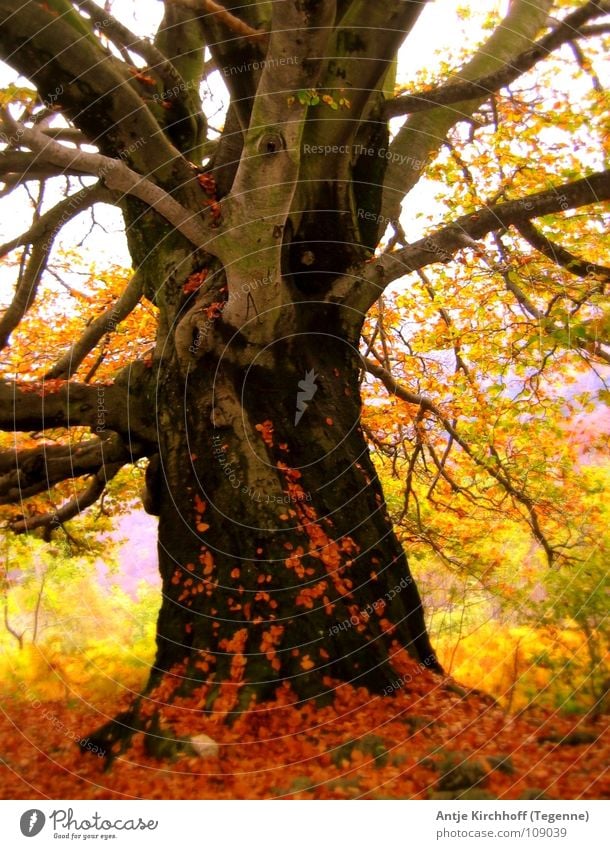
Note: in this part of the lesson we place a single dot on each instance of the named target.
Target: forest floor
(432, 740)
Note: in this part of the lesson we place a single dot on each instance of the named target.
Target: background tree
(258, 252)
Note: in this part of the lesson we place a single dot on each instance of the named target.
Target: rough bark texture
(278, 558)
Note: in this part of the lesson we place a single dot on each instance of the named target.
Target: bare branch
(41, 235)
(115, 175)
(395, 388)
(39, 596)
(49, 224)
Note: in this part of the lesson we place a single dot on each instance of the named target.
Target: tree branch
(107, 322)
(20, 167)
(68, 65)
(269, 159)
(18, 636)
(115, 175)
(374, 33)
(440, 246)
(71, 508)
(546, 323)
(118, 33)
(225, 17)
(237, 59)
(39, 406)
(445, 95)
(65, 134)
(180, 37)
(594, 30)
(497, 473)
(34, 470)
(575, 265)
(421, 137)
(358, 61)
(51, 222)
(25, 291)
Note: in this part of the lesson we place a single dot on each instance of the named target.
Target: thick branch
(71, 508)
(594, 30)
(395, 388)
(121, 35)
(68, 65)
(38, 406)
(180, 39)
(441, 245)
(225, 17)
(34, 470)
(65, 134)
(117, 176)
(358, 61)
(18, 166)
(18, 636)
(266, 178)
(445, 95)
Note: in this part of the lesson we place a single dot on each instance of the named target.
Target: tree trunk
(278, 559)
(281, 573)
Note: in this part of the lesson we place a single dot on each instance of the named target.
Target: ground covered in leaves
(431, 740)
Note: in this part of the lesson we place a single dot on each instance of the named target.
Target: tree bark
(278, 559)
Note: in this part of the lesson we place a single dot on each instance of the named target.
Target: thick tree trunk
(281, 573)
(278, 559)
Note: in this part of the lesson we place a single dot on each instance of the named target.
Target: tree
(261, 251)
